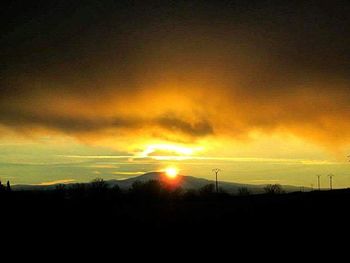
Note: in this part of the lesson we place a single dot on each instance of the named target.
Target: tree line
(153, 189)
(149, 188)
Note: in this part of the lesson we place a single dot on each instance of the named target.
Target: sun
(171, 172)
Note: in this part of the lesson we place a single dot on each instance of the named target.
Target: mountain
(190, 182)
(186, 182)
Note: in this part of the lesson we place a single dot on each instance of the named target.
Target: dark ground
(109, 225)
(118, 213)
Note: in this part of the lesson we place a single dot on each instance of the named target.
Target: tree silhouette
(273, 189)
(8, 186)
(98, 185)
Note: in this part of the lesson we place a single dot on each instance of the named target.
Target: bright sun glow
(169, 152)
(171, 172)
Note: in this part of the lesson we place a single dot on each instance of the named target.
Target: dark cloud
(243, 65)
(176, 125)
(76, 124)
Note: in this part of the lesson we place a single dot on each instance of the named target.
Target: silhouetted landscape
(183, 182)
(123, 121)
(152, 206)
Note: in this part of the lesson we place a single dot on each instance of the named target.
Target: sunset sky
(114, 89)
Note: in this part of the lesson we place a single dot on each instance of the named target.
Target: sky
(114, 89)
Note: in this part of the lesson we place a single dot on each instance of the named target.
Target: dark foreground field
(149, 222)
(156, 211)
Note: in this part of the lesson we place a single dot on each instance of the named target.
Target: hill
(186, 182)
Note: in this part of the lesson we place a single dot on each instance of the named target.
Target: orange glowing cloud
(179, 81)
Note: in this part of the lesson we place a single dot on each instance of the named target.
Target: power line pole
(331, 181)
(216, 171)
(318, 182)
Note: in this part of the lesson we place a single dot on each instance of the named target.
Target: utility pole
(331, 181)
(318, 182)
(216, 171)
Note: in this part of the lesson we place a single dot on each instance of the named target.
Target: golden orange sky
(224, 81)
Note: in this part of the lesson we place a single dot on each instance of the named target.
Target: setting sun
(171, 172)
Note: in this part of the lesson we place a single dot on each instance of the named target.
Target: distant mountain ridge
(187, 183)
